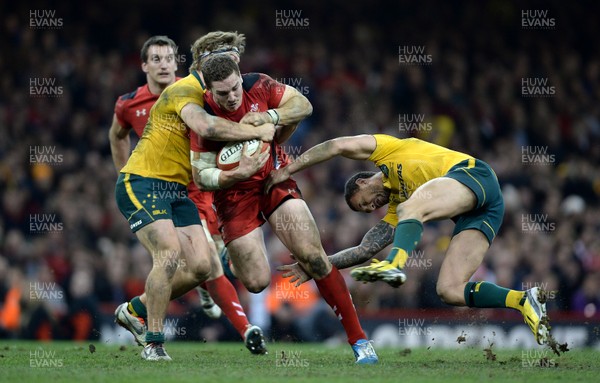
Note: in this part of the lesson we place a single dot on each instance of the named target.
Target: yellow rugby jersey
(407, 164)
(163, 151)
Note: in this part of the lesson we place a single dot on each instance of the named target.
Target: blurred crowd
(67, 256)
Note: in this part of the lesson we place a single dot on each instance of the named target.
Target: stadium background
(470, 76)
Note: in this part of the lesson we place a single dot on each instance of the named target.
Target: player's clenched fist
(256, 118)
(267, 131)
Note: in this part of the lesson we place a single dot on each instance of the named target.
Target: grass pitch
(230, 362)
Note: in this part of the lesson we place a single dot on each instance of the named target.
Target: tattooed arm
(372, 243)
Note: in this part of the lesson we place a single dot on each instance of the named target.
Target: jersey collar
(197, 75)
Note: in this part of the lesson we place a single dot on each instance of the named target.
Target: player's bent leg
(218, 288)
(210, 308)
(295, 226)
(464, 255)
(248, 255)
(161, 240)
(439, 198)
(194, 266)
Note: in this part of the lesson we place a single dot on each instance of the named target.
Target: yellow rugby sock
(515, 299)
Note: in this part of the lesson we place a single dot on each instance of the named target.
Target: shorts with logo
(241, 210)
(488, 215)
(204, 203)
(143, 200)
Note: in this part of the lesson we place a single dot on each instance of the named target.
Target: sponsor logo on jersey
(135, 224)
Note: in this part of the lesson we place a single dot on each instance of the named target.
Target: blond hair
(216, 42)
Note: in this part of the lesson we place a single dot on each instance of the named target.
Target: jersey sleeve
(272, 90)
(120, 113)
(194, 142)
(201, 145)
(180, 94)
(390, 216)
(385, 145)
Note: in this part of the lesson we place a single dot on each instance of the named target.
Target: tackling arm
(293, 108)
(219, 129)
(120, 143)
(355, 147)
(375, 240)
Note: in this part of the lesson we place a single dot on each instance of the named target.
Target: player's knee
(307, 252)
(448, 294)
(257, 285)
(319, 267)
(201, 268)
(216, 269)
(313, 258)
(167, 260)
(409, 210)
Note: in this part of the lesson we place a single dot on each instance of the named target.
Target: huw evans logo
(414, 122)
(286, 291)
(43, 358)
(537, 223)
(291, 222)
(44, 87)
(410, 326)
(537, 87)
(537, 19)
(44, 223)
(45, 291)
(413, 55)
(44, 19)
(294, 82)
(290, 19)
(44, 154)
(290, 358)
(537, 155)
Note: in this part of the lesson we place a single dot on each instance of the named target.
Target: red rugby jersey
(260, 93)
(133, 109)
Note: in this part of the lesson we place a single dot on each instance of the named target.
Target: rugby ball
(229, 156)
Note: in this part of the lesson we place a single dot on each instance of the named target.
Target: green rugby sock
(137, 308)
(407, 236)
(155, 337)
(489, 295)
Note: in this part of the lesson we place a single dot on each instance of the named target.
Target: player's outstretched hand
(295, 272)
(251, 164)
(275, 177)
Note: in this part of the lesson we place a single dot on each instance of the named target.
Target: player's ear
(144, 67)
(361, 181)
